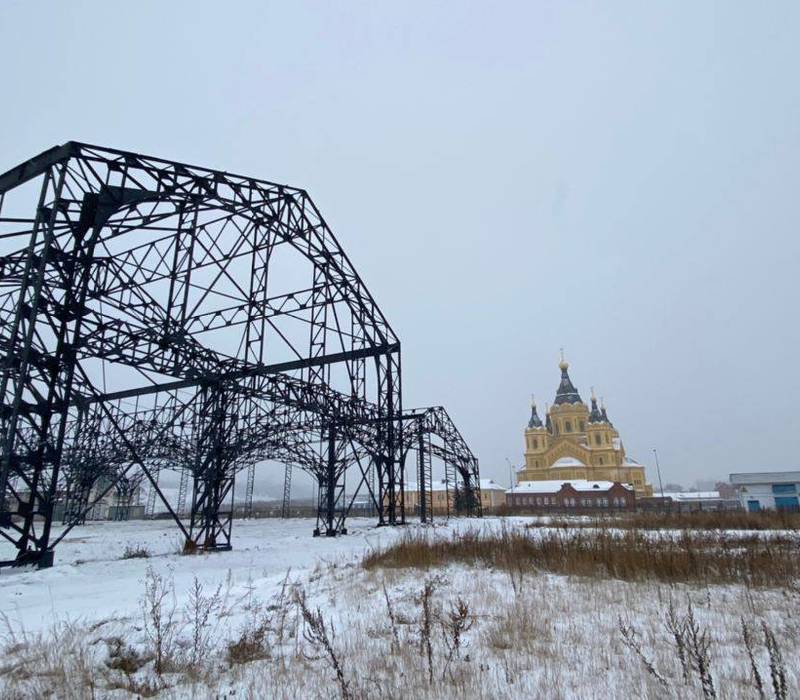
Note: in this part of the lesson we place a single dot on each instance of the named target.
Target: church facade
(577, 441)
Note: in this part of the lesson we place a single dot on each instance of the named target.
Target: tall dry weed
(706, 558)
(159, 612)
(322, 635)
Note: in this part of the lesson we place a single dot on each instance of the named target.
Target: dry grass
(136, 552)
(55, 663)
(486, 632)
(701, 520)
(632, 555)
(253, 641)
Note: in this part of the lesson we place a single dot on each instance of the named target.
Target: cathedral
(577, 442)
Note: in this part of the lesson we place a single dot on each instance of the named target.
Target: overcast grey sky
(617, 178)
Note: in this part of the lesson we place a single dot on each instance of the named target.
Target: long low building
(578, 494)
(768, 490)
(691, 501)
(443, 496)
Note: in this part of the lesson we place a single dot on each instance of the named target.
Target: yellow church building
(576, 442)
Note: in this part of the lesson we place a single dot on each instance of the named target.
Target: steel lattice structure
(432, 434)
(156, 315)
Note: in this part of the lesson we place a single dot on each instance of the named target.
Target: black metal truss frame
(230, 323)
(431, 433)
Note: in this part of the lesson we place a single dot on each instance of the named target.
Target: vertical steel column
(423, 474)
(330, 513)
(210, 527)
(183, 488)
(56, 371)
(389, 433)
(287, 490)
(17, 357)
(249, 488)
(331, 490)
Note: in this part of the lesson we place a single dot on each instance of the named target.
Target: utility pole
(658, 469)
(510, 474)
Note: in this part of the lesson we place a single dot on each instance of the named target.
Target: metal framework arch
(156, 315)
(431, 433)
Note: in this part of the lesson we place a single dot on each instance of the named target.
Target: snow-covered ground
(529, 634)
(90, 579)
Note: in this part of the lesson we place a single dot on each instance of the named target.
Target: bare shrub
(128, 661)
(250, 646)
(280, 606)
(135, 551)
(457, 622)
(253, 642)
(630, 639)
(158, 612)
(677, 630)
(426, 623)
(699, 645)
(141, 688)
(747, 637)
(199, 612)
(392, 621)
(777, 669)
(122, 657)
(320, 635)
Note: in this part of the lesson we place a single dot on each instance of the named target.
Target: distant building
(727, 490)
(768, 490)
(492, 496)
(135, 512)
(122, 501)
(576, 442)
(362, 505)
(697, 500)
(577, 495)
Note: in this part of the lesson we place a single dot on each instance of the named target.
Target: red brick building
(576, 495)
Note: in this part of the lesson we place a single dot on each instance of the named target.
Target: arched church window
(601, 460)
(535, 444)
(596, 439)
(568, 426)
(583, 426)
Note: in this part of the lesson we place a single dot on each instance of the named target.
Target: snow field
(530, 635)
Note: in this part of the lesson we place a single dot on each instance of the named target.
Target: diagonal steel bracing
(159, 316)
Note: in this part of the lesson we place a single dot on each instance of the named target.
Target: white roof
(439, 485)
(568, 462)
(537, 486)
(491, 485)
(765, 477)
(690, 495)
(554, 486)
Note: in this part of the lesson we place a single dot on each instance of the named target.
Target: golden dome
(563, 365)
